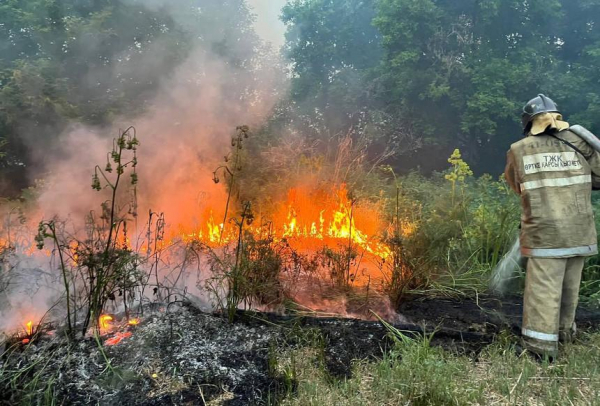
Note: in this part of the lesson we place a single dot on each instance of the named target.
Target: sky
(268, 25)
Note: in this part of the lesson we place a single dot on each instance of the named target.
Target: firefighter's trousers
(550, 300)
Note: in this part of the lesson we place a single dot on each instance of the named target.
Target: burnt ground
(486, 315)
(181, 356)
(464, 326)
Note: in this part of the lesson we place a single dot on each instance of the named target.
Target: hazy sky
(268, 25)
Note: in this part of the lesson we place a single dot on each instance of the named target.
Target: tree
(332, 45)
(89, 61)
(461, 70)
(451, 73)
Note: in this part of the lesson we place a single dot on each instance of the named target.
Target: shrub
(102, 266)
(461, 227)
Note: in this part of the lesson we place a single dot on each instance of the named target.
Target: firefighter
(552, 169)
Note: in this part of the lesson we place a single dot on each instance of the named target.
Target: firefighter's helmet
(538, 105)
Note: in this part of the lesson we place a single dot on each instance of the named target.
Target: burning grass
(309, 219)
(324, 250)
(252, 258)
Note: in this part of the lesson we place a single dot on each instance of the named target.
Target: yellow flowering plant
(459, 172)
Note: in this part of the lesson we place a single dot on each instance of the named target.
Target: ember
(117, 338)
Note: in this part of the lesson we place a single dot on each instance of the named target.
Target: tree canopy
(415, 78)
(452, 73)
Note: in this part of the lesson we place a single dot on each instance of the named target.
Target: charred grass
(414, 372)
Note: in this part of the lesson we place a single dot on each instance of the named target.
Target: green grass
(416, 373)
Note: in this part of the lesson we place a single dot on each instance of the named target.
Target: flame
(4, 245)
(308, 219)
(105, 321)
(28, 332)
(133, 322)
(209, 233)
(73, 247)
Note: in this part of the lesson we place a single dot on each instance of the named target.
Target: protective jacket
(554, 180)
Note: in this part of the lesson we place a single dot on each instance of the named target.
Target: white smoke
(184, 135)
(268, 24)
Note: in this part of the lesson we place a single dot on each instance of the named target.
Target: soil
(487, 314)
(183, 356)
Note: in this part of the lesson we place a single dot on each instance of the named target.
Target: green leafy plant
(102, 266)
(460, 227)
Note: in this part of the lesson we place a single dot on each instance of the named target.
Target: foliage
(459, 172)
(70, 61)
(248, 275)
(98, 268)
(459, 228)
(333, 47)
(330, 44)
(448, 231)
(442, 74)
(341, 263)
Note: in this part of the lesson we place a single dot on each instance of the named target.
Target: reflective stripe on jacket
(555, 184)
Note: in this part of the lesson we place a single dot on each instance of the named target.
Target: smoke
(185, 132)
(228, 78)
(268, 25)
(183, 137)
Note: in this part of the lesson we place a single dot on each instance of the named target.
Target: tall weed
(461, 226)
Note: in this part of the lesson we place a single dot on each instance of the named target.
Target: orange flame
(308, 219)
(29, 328)
(73, 246)
(133, 322)
(4, 244)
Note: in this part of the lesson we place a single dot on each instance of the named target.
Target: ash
(181, 356)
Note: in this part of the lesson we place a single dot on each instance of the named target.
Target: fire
(4, 244)
(133, 322)
(309, 219)
(330, 218)
(28, 333)
(73, 247)
(105, 321)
